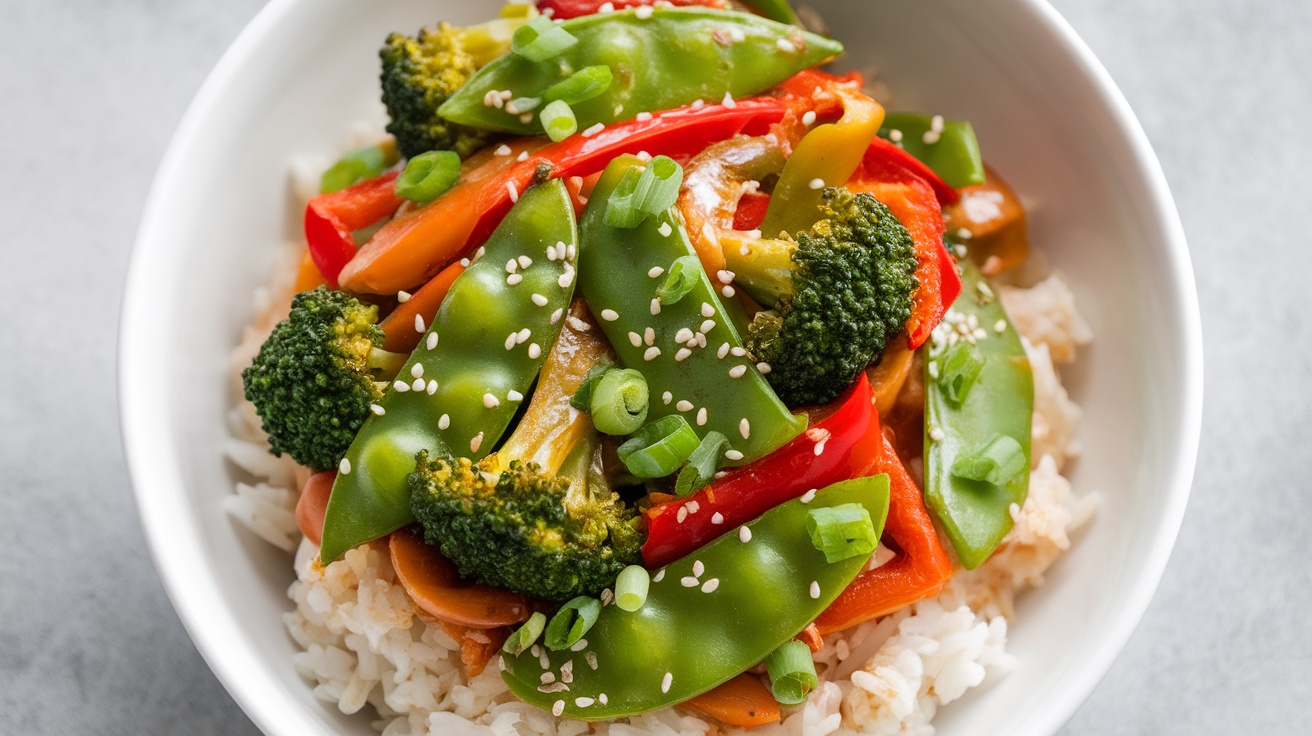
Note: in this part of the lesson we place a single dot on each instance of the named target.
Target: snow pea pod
(460, 388)
(708, 616)
(997, 402)
(949, 147)
(659, 59)
(708, 379)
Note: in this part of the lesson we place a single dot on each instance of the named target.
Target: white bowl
(1048, 116)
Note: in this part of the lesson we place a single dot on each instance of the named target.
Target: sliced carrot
(810, 636)
(433, 584)
(743, 701)
(313, 503)
(477, 646)
(400, 327)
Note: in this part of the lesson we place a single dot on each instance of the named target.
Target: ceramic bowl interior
(1047, 116)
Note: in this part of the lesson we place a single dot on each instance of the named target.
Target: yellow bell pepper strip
(708, 379)
(459, 389)
(826, 156)
(739, 597)
(978, 412)
(949, 147)
(658, 60)
(990, 221)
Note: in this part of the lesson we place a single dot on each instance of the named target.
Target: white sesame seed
(635, 339)
(464, 263)
(698, 568)
(659, 576)
(763, 367)
(931, 137)
(431, 342)
(417, 385)
(707, 326)
(444, 421)
(525, 261)
(683, 405)
(815, 589)
(655, 306)
(601, 697)
(523, 335)
(737, 371)
(502, 150)
(724, 276)
(936, 434)
(744, 534)
(419, 323)
(701, 417)
(510, 341)
(651, 353)
(523, 156)
(681, 515)
(723, 351)
(556, 315)
(547, 678)
(728, 291)
(649, 336)
(816, 183)
(683, 335)
(682, 355)
(710, 585)
(738, 352)
(491, 401)
(514, 395)
(566, 278)
(979, 333)
(785, 46)
(557, 708)
(745, 428)
(895, 135)
(665, 229)
(808, 117)
(474, 443)
(377, 409)
(512, 266)
(693, 507)
(733, 455)
(689, 581)
(698, 104)
(545, 661)
(743, 249)
(417, 370)
(513, 279)
(539, 300)
(591, 658)
(642, 116)
(643, 12)
(667, 397)
(809, 496)
(933, 369)
(610, 315)
(534, 351)
(579, 645)
(344, 467)
(593, 130)
(514, 192)
(936, 123)
(717, 518)
(1000, 326)
(583, 702)
(432, 386)
(666, 682)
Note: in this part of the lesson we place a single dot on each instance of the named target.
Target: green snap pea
(975, 514)
(462, 385)
(666, 59)
(952, 150)
(708, 380)
(708, 616)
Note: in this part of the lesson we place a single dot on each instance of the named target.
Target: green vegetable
(428, 176)
(571, 622)
(356, 166)
(835, 296)
(967, 439)
(778, 10)
(558, 121)
(958, 370)
(459, 390)
(631, 587)
(738, 601)
(526, 635)
(420, 73)
(948, 147)
(581, 86)
(659, 448)
(676, 346)
(842, 531)
(644, 192)
(702, 464)
(317, 374)
(673, 57)
(680, 279)
(582, 398)
(619, 401)
(540, 40)
(792, 672)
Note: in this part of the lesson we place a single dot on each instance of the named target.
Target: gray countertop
(90, 92)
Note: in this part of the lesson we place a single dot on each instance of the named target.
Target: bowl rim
(155, 477)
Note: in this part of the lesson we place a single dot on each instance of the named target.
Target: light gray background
(90, 92)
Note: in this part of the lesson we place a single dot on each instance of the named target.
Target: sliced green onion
(525, 635)
(792, 672)
(842, 531)
(619, 401)
(541, 39)
(582, 398)
(356, 166)
(558, 121)
(999, 461)
(581, 86)
(521, 105)
(631, 588)
(571, 622)
(958, 369)
(639, 196)
(702, 464)
(428, 176)
(659, 448)
(681, 276)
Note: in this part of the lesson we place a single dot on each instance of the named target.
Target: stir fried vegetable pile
(643, 276)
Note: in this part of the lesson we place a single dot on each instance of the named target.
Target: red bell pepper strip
(920, 569)
(413, 247)
(837, 448)
(330, 220)
(563, 9)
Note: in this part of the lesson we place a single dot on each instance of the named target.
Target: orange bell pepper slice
(436, 588)
(743, 701)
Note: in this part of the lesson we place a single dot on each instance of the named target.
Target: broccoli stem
(385, 364)
(765, 271)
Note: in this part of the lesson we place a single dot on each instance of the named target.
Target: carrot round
(436, 588)
(743, 701)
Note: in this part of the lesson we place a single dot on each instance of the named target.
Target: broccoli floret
(421, 72)
(538, 516)
(835, 296)
(314, 378)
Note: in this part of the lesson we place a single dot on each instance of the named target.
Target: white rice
(363, 643)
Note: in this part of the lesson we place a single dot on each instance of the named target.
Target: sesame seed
(557, 708)
(556, 315)
(738, 352)
(523, 156)
(579, 645)
(1000, 326)
(402, 296)
(417, 370)
(649, 336)
(724, 276)
(723, 351)
(931, 137)
(534, 351)
(512, 266)
(744, 534)
(601, 697)
(545, 661)
(474, 443)
(936, 434)
(566, 278)
(569, 251)
(513, 191)
(377, 410)
(523, 335)
(808, 117)
(642, 116)
(655, 306)
(514, 395)
(643, 12)
(895, 135)
(464, 263)
(733, 455)
(701, 417)
(667, 397)
(525, 261)
(607, 597)
(682, 355)
(344, 467)
(763, 367)
(665, 229)
(400, 386)
(651, 353)
(659, 576)
(707, 325)
(432, 341)
(418, 384)
(815, 589)
(419, 323)
(683, 335)
(693, 507)
(666, 682)
(635, 339)
(444, 421)
(539, 300)
(502, 150)
(593, 130)
(936, 123)
(689, 581)
(547, 678)
(710, 585)
(737, 371)
(610, 315)
(491, 401)
(809, 496)
(728, 101)
(698, 104)
(681, 515)
(717, 518)
(698, 568)
(432, 386)
(785, 46)
(513, 279)
(728, 291)
(979, 333)
(743, 249)
(816, 183)
(745, 428)
(583, 702)
(683, 405)
(510, 341)
(591, 658)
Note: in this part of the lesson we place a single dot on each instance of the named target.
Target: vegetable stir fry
(600, 340)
